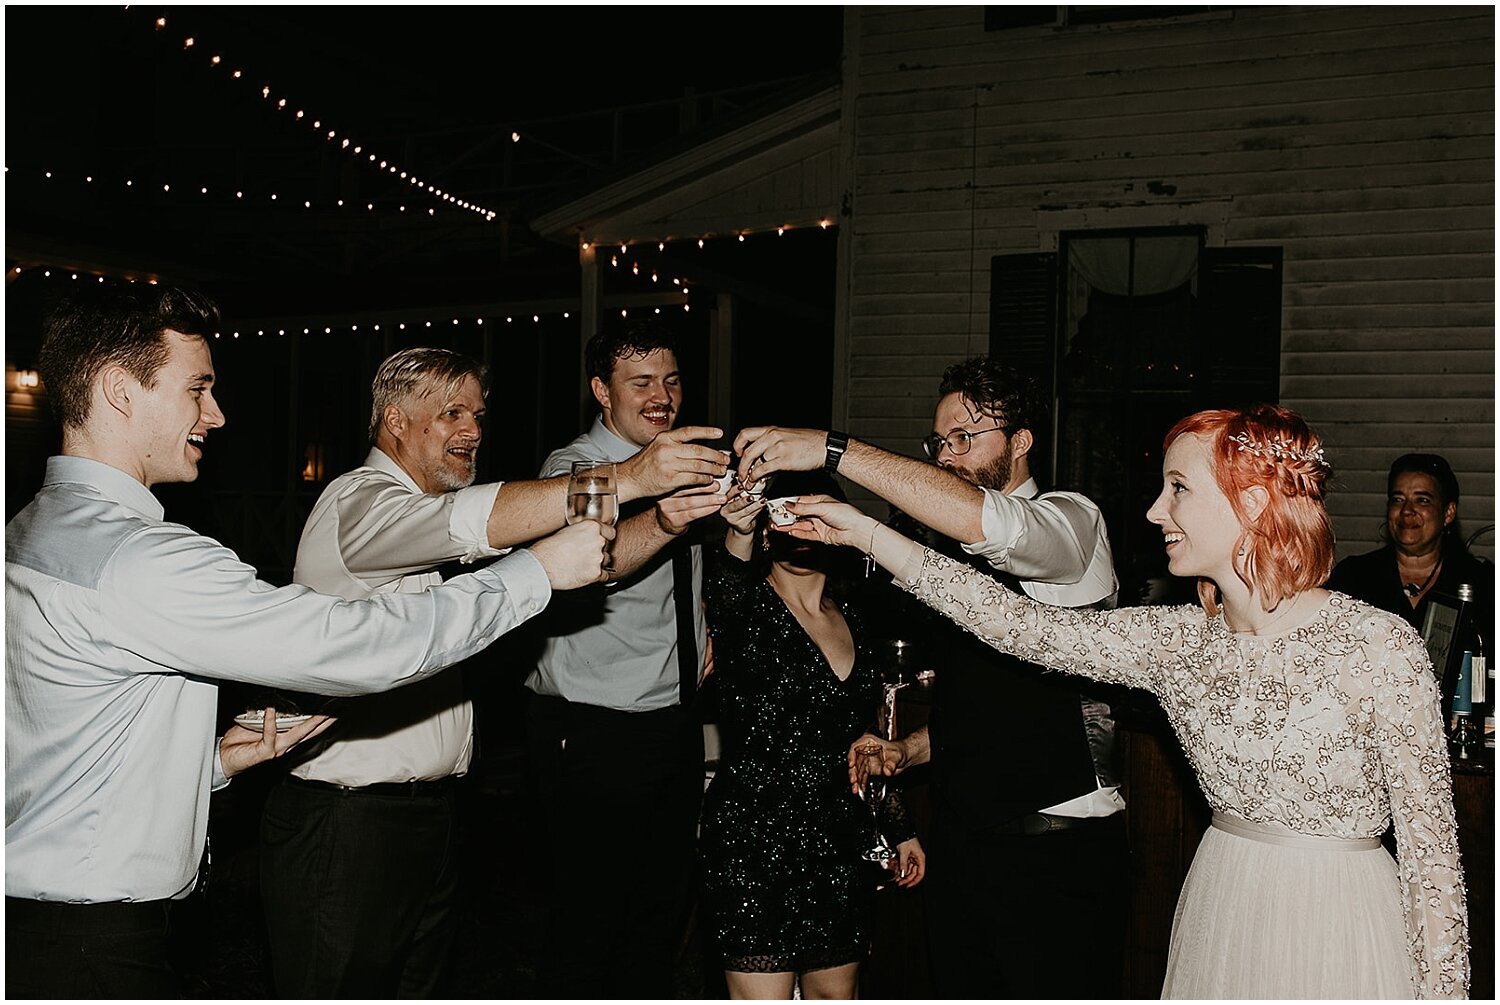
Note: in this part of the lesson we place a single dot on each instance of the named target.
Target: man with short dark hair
(118, 623)
(616, 748)
(379, 798)
(1027, 855)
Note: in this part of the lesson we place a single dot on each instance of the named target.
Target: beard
(994, 475)
(450, 480)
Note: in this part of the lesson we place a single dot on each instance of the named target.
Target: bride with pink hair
(1311, 720)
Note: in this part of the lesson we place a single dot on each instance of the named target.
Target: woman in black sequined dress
(786, 892)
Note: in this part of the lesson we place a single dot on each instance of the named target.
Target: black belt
(1032, 824)
(103, 917)
(416, 788)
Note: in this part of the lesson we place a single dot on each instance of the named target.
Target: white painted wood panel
(1360, 140)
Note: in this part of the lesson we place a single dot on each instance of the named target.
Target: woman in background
(1425, 553)
(1310, 718)
(787, 895)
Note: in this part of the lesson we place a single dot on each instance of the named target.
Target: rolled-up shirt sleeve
(1055, 544)
(386, 531)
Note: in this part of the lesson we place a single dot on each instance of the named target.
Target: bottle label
(1479, 680)
(1462, 700)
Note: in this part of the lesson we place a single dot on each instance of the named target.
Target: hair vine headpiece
(1281, 449)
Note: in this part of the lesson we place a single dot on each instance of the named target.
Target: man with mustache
(616, 747)
(359, 872)
(1027, 846)
(119, 623)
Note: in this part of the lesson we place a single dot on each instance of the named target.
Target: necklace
(1414, 591)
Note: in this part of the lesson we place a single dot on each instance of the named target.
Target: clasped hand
(865, 760)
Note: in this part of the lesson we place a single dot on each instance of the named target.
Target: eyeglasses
(956, 441)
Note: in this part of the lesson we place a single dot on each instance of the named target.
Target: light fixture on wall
(28, 380)
(312, 467)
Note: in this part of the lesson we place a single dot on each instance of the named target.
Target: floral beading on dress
(1332, 729)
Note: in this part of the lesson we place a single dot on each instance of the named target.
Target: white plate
(256, 718)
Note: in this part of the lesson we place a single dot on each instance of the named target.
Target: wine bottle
(1481, 678)
(1464, 739)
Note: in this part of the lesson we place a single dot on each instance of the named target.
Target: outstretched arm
(1122, 647)
(644, 534)
(526, 510)
(937, 497)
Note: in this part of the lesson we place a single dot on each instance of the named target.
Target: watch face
(837, 444)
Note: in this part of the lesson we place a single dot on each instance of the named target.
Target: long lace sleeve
(1417, 774)
(1136, 647)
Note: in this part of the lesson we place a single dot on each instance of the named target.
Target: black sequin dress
(785, 888)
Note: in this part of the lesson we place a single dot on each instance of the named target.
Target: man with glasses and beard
(1027, 861)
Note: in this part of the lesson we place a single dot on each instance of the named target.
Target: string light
(332, 326)
(266, 91)
(204, 190)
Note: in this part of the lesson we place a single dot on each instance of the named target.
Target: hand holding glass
(880, 849)
(592, 495)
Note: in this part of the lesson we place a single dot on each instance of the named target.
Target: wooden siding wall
(1359, 139)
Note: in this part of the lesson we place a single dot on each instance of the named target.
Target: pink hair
(1288, 548)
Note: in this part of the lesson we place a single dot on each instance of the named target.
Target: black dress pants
(107, 950)
(619, 794)
(1027, 916)
(359, 888)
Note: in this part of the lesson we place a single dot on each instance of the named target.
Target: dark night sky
(98, 91)
(409, 67)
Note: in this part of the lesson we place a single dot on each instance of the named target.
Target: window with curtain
(1133, 330)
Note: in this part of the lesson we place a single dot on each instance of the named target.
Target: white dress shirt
(1057, 545)
(622, 653)
(116, 625)
(373, 531)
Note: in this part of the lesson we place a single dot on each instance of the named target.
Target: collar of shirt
(1026, 490)
(111, 481)
(611, 446)
(382, 461)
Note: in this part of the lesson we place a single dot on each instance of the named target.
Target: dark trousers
(619, 794)
(358, 889)
(109, 950)
(1027, 916)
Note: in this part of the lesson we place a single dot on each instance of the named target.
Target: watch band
(837, 443)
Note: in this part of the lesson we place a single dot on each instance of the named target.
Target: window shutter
(1023, 327)
(1239, 317)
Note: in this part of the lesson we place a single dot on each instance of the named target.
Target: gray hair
(417, 372)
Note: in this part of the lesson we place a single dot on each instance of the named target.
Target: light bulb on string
(215, 60)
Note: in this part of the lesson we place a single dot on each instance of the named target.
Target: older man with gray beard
(358, 869)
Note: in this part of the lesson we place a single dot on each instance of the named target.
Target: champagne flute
(592, 495)
(879, 850)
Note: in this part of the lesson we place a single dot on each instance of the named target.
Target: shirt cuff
(220, 779)
(525, 581)
(469, 520)
(999, 537)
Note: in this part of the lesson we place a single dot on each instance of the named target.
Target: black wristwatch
(837, 443)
